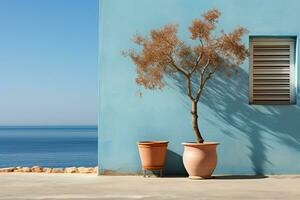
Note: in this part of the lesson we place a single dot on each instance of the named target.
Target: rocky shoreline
(38, 169)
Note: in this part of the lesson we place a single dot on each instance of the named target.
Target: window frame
(292, 40)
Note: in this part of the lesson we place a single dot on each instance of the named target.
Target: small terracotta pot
(200, 159)
(153, 154)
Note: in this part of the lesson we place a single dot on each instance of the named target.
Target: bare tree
(162, 53)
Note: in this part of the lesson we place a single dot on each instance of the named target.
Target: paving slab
(19, 186)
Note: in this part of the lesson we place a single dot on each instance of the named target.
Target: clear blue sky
(48, 62)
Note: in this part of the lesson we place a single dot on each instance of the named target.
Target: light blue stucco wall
(254, 139)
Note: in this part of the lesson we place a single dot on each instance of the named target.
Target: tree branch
(198, 59)
(172, 60)
(206, 65)
(189, 90)
(204, 80)
(188, 78)
(178, 68)
(210, 75)
(199, 92)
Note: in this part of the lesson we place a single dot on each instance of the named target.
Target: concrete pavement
(17, 186)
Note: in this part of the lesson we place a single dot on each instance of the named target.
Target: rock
(47, 170)
(7, 169)
(18, 169)
(25, 169)
(80, 169)
(85, 170)
(57, 170)
(95, 170)
(71, 170)
(36, 169)
(91, 169)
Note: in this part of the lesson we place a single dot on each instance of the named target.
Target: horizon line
(49, 126)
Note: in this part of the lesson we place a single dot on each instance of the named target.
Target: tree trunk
(194, 113)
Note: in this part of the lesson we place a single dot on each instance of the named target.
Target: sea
(48, 146)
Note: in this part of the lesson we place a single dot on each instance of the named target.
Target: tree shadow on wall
(227, 97)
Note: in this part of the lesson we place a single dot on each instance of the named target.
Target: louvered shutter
(272, 71)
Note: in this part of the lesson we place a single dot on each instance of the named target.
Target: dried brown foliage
(162, 53)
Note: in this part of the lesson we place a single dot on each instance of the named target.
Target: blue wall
(254, 139)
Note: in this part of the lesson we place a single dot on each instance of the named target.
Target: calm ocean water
(48, 146)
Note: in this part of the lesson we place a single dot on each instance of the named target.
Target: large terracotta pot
(153, 154)
(200, 159)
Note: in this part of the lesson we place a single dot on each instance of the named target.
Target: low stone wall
(38, 169)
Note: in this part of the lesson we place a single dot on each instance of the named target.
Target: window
(272, 70)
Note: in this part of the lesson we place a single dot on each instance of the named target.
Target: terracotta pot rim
(153, 142)
(199, 144)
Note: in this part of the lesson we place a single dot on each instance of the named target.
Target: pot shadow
(173, 165)
(174, 168)
(261, 126)
(238, 177)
